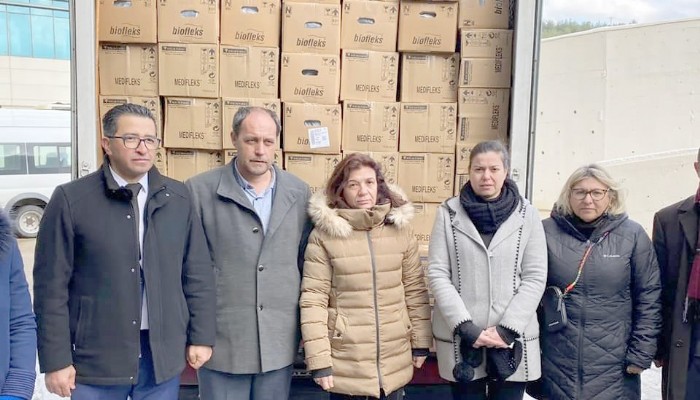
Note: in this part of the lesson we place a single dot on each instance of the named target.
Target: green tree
(552, 28)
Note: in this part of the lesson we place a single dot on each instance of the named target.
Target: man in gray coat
(256, 225)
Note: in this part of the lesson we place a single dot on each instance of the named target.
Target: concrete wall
(31, 82)
(628, 97)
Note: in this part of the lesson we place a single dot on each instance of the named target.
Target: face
(256, 144)
(361, 188)
(589, 209)
(487, 174)
(131, 164)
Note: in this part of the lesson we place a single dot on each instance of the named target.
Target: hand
(61, 382)
(325, 382)
(198, 355)
(418, 361)
(660, 363)
(487, 339)
(496, 339)
(634, 370)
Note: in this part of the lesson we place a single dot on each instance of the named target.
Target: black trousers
(395, 395)
(488, 389)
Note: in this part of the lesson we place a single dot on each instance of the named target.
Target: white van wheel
(27, 220)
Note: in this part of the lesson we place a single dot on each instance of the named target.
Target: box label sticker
(319, 138)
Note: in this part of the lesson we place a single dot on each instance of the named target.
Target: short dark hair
(109, 121)
(339, 179)
(244, 112)
(495, 146)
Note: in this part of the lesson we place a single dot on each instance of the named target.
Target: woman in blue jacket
(17, 325)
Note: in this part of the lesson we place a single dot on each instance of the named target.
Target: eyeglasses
(133, 141)
(596, 194)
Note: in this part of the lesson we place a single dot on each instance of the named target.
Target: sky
(620, 11)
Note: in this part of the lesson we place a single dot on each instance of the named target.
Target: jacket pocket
(406, 321)
(84, 319)
(339, 331)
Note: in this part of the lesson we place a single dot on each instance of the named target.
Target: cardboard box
(188, 21)
(462, 153)
(152, 103)
(192, 123)
(312, 128)
(370, 126)
(369, 75)
(486, 43)
(310, 78)
(311, 28)
(160, 163)
(230, 107)
(427, 177)
(485, 73)
(251, 22)
(484, 14)
(429, 78)
(423, 222)
(229, 154)
(369, 25)
(460, 181)
(314, 169)
(249, 71)
(127, 22)
(428, 127)
(483, 114)
(190, 70)
(128, 69)
(428, 27)
(388, 161)
(184, 164)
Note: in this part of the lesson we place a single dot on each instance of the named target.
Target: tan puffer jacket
(364, 303)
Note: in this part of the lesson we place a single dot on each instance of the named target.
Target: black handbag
(553, 305)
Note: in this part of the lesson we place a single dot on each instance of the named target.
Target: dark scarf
(488, 215)
(693, 294)
(586, 228)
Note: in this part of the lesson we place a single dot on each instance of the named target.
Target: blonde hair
(595, 171)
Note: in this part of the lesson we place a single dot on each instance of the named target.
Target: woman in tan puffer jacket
(365, 316)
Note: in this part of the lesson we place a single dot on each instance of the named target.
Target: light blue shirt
(262, 203)
(141, 198)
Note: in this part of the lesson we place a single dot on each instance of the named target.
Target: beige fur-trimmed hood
(330, 221)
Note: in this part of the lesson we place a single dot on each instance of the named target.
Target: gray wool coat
(257, 275)
(499, 285)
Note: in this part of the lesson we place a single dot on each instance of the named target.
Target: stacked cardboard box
(413, 83)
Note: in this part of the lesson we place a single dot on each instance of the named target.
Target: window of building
(35, 28)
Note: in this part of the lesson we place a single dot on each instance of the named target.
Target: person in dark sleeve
(123, 280)
(17, 325)
(677, 244)
(605, 265)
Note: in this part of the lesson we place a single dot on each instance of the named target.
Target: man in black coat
(123, 280)
(675, 239)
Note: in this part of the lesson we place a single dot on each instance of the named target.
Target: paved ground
(651, 379)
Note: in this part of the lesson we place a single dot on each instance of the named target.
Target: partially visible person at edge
(365, 315)
(677, 245)
(123, 282)
(613, 308)
(488, 267)
(17, 326)
(255, 221)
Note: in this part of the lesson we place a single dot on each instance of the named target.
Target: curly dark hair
(339, 178)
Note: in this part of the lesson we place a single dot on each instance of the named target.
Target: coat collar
(464, 224)
(689, 221)
(341, 222)
(285, 195)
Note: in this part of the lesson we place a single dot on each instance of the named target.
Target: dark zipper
(376, 312)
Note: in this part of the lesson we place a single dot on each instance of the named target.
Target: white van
(35, 157)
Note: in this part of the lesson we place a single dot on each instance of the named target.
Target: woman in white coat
(488, 268)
